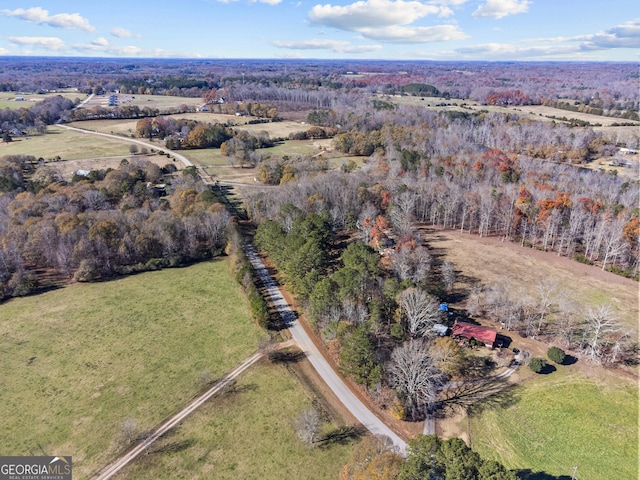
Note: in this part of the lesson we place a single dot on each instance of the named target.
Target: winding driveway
(335, 383)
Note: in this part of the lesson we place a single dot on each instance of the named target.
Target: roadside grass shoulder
(246, 432)
(564, 420)
(80, 360)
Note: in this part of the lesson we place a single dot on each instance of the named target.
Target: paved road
(143, 446)
(182, 158)
(346, 396)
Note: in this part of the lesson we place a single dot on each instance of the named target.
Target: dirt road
(143, 446)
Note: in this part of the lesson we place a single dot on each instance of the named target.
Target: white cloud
(47, 43)
(501, 8)
(369, 14)
(620, 36)
(402, 34)
(101, 42)
(129, 51)
(41, 16)
(337, 46)
(455, 3)
(123, 33)
(509, 51)
(4, 51)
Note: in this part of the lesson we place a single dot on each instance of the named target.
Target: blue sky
(369, 29)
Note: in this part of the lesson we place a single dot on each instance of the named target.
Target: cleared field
(540, 112)
(560, 421)
(246, 433)
(276, 129)
(120, 126)
(161, 102)
(488, 260)
(69, 145)
(557, 112)
(78, 361)
(578, 415)
(8, 100)
(293, 147)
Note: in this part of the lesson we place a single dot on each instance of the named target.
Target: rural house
(481, 334)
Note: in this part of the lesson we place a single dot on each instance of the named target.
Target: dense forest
(103, 224)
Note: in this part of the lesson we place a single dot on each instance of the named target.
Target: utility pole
(573, 476)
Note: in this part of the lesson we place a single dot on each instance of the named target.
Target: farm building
(481, 334)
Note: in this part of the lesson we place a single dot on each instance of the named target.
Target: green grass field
(247, 434)
(78, 361)
(69, 145)
(563, 420)
(161, 102)
(7, 99)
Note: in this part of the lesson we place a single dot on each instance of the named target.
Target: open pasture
(246, 432)
(563, 420)
(80, 360)
(578, 415)
(125, 127)
(161, 102)
(276, 129)
(486, 261)
(8, 99)
(67, 144)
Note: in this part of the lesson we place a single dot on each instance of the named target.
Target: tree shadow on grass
(527, 474)
(281, 356)
(547, 369)
(476, 396)
(233, 388)
(342, 436)
(569, 360)
(173, 447)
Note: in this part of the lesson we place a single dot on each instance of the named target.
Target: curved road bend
(346, 396)
(119, 464)
(182, 158)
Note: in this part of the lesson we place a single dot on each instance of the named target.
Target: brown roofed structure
(482, 334)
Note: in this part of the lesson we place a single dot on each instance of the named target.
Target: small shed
(440, 330)
(469, 331)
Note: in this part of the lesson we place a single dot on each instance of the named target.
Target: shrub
(556, 355)
(537, 364)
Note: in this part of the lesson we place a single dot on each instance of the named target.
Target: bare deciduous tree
(308, 426)
(421, 311)
(448, 275)
(414, 375)
(128, 429)
(600, 323)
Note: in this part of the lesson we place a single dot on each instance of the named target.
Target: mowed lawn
(564, 420)
(246, 434)
(78, 361)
